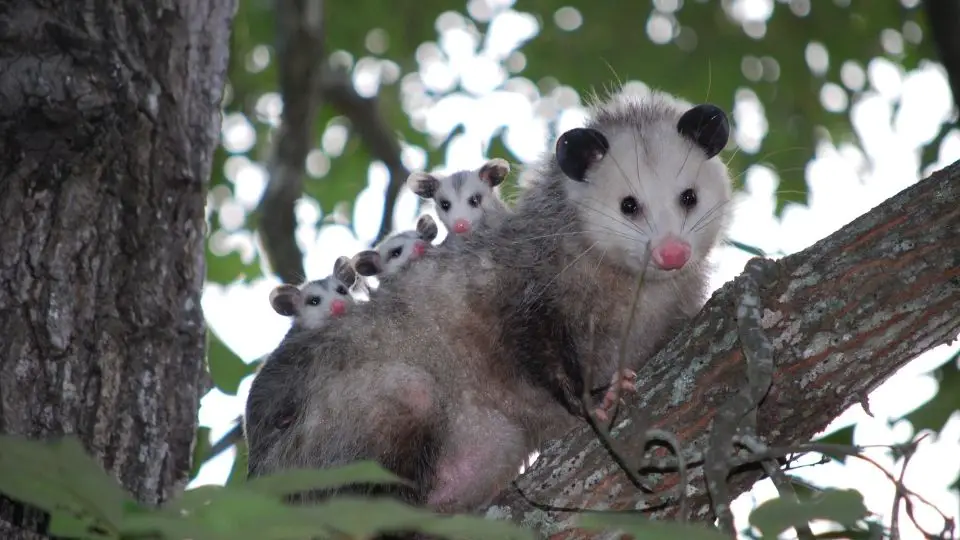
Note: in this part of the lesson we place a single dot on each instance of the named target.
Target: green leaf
(200, 450)
(777, 515)
(363, 518)
(641, 526)
(842, 436)
(933, 415)
(755, 251)
(85, 477)
(297, 480)
(61, 478)
(238, 474)
(226, 368)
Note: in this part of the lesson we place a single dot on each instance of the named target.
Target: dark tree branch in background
(943, 16)
(842, 316)
(300, 57)
(377, 136)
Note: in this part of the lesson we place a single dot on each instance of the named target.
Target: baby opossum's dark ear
(367, 262)
(706, 125)
(578, 149)
(344, 271)
(285, 300)
(427, 228)
(495, 171)
(423, 184)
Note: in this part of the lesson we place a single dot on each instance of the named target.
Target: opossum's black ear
(423, 184)
(344, 271)
(578, 149)
(495, 171)
(706, 125)
(367, 262)
(285, 300)
(427, 228)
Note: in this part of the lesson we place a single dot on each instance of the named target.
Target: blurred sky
(844, 183)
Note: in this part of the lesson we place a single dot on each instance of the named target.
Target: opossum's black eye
(445, 205)
(688, 199)
(474, 200)
(313, 300)
(707, 126)
(578, 149)
(341, 290)
(629, 206)
(395, 252)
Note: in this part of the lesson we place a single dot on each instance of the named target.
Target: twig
(758, 353)
(671, 440)
(300, 54)
(377, 136)
(777, 476)
(602, 433)
(625, 333)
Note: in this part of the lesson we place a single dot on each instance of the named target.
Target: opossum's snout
(419, 248)
(671, 254)
(461, 226)
(338, 307)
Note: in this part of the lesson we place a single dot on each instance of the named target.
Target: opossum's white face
(322, 299)
(464, 197)
(397, 251)
(647, 171)
(314, 303)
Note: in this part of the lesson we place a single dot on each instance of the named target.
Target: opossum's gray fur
(480, 354)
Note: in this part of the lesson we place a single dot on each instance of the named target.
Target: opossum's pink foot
(623, 381)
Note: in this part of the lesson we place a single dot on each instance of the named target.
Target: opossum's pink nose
(419, 248)
(338, 307)
(461, 226)
(671, 254)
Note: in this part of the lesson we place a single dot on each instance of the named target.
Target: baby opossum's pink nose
(419, 248)
(461, 226)
(671, 254)
(338, 307)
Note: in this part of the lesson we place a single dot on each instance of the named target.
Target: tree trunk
(109, 115)
(843, 316)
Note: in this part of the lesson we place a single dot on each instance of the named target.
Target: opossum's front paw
(625, 380)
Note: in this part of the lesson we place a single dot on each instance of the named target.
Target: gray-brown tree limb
(943, 16)
(300, 58)
(377, 136)
(109, 116)
(843, 316)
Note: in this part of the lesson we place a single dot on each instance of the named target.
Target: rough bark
(843, 315)
(109, 115)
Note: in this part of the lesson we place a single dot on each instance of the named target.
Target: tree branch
(378, 137)
(300, 54)
(843, 315)
(943, 16)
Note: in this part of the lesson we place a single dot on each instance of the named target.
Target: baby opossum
(314, 302)
(464, 198)
(393, 254)
(311, 305)
(458, 373)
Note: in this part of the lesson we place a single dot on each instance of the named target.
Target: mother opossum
(480, 353)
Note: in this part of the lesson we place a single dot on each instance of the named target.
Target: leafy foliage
(934, 414)
(85, 502)
(226, 367)
(777, 515)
